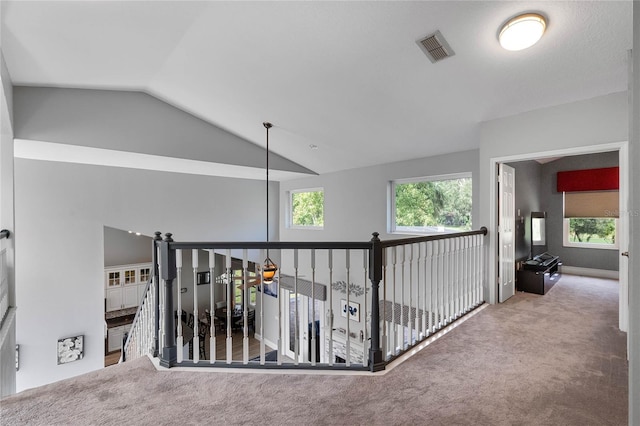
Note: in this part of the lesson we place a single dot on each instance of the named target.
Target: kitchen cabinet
(124, 285)
(115, 335)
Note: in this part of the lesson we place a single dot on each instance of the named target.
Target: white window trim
(289, 217)
(567, 243)
(391, 225)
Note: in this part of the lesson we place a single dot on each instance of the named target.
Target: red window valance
(604, 179)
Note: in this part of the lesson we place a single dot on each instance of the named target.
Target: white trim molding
(590, 272)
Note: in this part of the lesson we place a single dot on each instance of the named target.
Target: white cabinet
(115, 335)
(124, 285)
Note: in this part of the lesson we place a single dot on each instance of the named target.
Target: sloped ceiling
(346, 77)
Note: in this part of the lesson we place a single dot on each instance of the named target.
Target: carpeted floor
(557, 359)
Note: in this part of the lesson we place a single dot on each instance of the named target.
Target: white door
(506, 228)
(298, 312)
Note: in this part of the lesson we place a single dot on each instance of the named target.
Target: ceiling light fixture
(522, 31)
(269, 268)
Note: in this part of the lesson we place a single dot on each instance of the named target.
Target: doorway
(621, 149)
(303, 327)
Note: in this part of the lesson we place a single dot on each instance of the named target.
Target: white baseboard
(266, 341)
(590, 272)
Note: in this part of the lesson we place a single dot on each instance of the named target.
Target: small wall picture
(353, 310)
(204, 278)
(70, 349)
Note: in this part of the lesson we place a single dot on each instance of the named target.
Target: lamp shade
(522, 32)
(269, 270)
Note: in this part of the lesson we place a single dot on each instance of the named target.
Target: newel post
(376, 363)
(168, 273)
(156, 292)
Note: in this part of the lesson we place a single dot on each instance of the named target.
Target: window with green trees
(431, 205)
(590, 232)
(307, 208)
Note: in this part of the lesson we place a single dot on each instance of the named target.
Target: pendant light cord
(267, 125)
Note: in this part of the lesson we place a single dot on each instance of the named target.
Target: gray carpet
(557, 359)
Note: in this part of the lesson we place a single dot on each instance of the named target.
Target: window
(306, 208)
(590, 219)
(238, 294)
(591, 232)
(432, 204)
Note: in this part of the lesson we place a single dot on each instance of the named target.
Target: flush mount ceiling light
(522, 31)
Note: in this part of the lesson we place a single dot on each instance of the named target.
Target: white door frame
(303, 333)
(623, 160)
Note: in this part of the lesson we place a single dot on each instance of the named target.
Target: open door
(297, 328)
(506, 229)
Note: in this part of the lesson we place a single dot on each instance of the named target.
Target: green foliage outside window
(444, 203)
(307, 208)
(237, 288)
(590, 230)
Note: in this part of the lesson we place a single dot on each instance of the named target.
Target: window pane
(592, 231)
(307, 208)
(433, 206)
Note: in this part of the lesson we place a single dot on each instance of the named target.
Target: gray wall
(131, 122)
(123, 248)
(528, 181)
(552, 203)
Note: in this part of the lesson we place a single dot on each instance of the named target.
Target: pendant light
(269, 268)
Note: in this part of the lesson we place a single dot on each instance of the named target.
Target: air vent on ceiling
(435, 47)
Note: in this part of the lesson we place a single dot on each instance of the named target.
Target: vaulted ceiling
(345, 77)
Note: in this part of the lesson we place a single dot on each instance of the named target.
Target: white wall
(8, 330)
(634, 249)
(61, 210)
(124, 248)
(592, 122)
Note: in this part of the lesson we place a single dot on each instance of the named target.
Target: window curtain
(596, 204)
(590, 193)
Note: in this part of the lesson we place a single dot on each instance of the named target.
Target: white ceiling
(345, 76)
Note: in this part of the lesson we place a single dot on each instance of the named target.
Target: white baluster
(262, 344)
(313, 307)
(229, 293)
(296, 331)
(365, 310)
(196, 316)
(330, 310)
(212, 307)
(348, 337)
(280, 342)
(394, 254)
(245, 307)
(179, 339)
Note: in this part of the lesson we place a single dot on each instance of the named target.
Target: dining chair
(203, 329)
(190, 321)
(251, 321)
